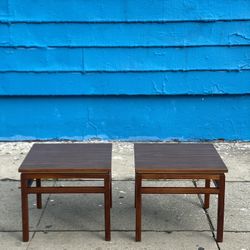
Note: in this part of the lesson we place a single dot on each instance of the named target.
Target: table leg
(25, 208)
(110, 188)
(38, 196)
(207, 196)
(220, 215)
(107, 207)
(138, 183)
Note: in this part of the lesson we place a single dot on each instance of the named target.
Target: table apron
(65, 175)
(178, 190)
(149, 176)
(54, 190)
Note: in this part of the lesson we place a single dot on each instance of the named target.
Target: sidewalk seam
(207, 216)
(43, 211)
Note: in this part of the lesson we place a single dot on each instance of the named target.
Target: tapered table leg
(107, 208)
(25, 208)
(220, 215)
(207, 196)
(110, 188)
(138, 181)
(38, 196)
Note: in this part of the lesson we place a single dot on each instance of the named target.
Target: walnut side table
(179, 161)
(67, 161)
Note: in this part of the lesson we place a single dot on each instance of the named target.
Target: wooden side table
(179, 161)
(53, 161)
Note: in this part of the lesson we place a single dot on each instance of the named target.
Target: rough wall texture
(125, 69)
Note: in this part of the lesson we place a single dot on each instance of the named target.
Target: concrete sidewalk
(169, 221)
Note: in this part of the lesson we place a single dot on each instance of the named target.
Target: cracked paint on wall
(146, 70)
(125, 118)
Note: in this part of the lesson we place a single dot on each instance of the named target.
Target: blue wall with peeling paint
(125, 69)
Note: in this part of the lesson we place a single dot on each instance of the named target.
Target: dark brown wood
(150, 176)
(220, 215)
(25, 209)
(66, 190)
(138, 207)
(107, 207)
(179, 161)
(38, 196)
(40, 169)
(68, 158)
(207, 196)
(177, 158)
(110, 188)
(67, 175)
(178, 190)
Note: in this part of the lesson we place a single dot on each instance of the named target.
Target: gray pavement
(169, 221)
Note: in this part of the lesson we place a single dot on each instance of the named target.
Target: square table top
(177, 158)
(68, 158)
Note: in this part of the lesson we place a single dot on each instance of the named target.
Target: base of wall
(185, 118)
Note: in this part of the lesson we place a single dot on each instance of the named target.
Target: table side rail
(64, 175)
(179, 190)
(149, 176)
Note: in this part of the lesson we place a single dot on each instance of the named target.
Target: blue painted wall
(125, 69)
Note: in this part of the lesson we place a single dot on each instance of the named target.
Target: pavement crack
(207, 215)
(45, 206)
(33, 235)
